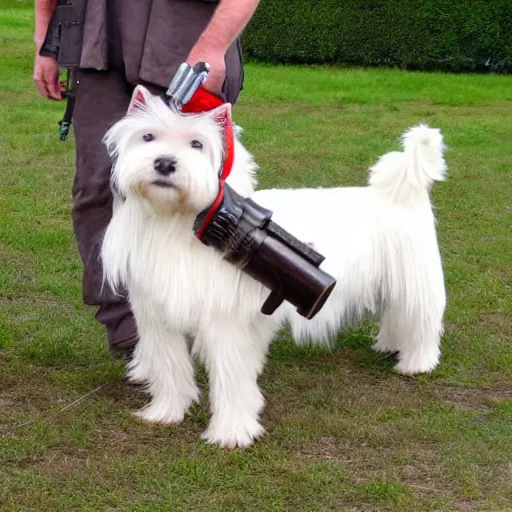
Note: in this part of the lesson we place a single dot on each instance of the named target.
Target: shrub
(456, 35)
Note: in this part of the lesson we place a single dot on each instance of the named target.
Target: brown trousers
(102, 99)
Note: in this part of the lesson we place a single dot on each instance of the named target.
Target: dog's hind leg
(387, 341)
(413, 325)
(162, 361)
(414, 338)
(234, 355)
(419, 346)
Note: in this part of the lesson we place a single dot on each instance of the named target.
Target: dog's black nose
(165, 165)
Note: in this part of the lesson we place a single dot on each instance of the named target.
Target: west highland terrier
(379, 242)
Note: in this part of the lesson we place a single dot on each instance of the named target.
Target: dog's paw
(236, 435)
(156, 412)
(381, 346)
(410, 365)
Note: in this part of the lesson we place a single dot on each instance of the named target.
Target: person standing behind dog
(125, 43)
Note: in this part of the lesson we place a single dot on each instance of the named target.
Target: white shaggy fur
(379, 241)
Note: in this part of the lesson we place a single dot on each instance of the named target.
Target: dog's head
(171, 159)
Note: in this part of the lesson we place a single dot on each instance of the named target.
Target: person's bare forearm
(44, 10)
(228, 21)
(46, 69)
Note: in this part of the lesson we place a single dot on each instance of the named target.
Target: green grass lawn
(344, 431)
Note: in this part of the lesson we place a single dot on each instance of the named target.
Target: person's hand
(47, 77)
(217, 75)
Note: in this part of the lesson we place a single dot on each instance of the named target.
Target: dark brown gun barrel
(244, 232)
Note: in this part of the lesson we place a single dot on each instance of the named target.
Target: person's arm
(46, 69)
(228, 21)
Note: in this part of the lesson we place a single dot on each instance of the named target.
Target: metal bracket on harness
(185, 83)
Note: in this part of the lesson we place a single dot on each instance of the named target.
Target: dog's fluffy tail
(404, 176)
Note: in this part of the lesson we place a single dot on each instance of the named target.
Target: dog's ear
(139, 99)
(221, 113)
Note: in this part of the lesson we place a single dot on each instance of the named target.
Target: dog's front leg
(234, 355)
(162, 361)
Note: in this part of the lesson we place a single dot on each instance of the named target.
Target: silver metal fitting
(185, 83)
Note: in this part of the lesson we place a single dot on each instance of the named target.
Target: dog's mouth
(163, 184)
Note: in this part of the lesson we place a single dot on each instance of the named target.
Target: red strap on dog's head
(204, 101)
(229, 142)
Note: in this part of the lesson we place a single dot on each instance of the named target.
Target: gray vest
(146, 39)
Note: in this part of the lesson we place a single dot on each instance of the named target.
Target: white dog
(379, 242)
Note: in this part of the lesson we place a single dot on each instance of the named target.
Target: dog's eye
(196, 144)
(148, 137)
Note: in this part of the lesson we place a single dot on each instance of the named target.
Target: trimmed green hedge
(453, 35)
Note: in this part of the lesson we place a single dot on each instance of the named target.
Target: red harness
(203, 101)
